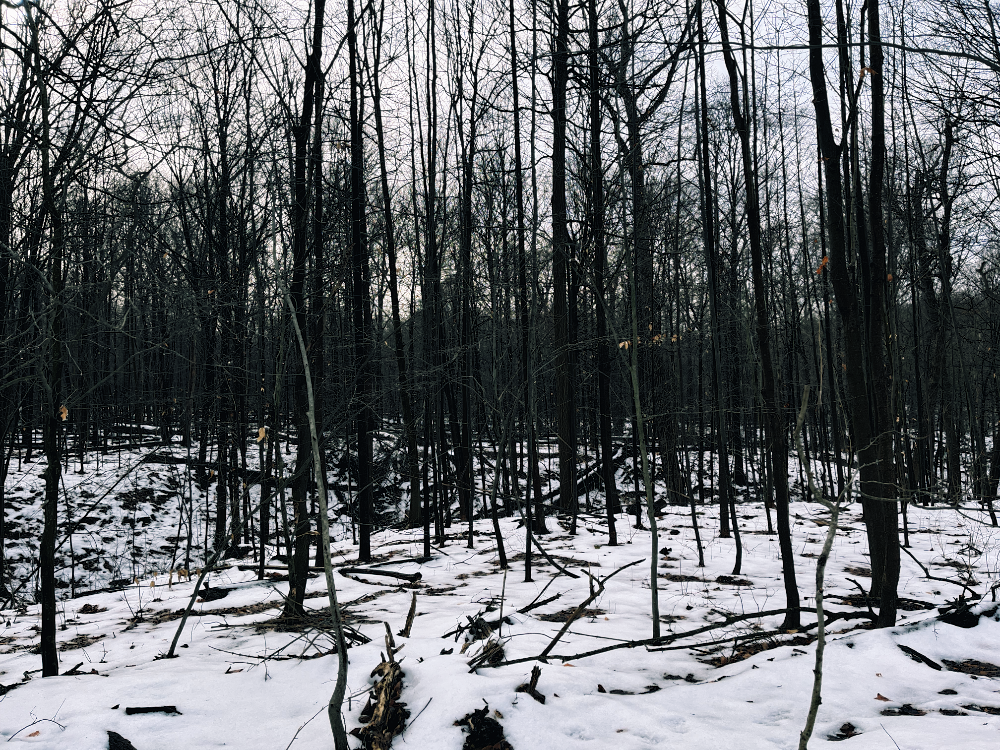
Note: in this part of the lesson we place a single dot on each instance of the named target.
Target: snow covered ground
(242, 682)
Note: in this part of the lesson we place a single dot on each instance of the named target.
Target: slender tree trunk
(774, 420)
(53, 371)
(402, 370)
(300, 228)
(565, 393)
(361, 300)
(612, 504)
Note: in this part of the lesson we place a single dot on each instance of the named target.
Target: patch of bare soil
(484, 731)
(733, 581)
(679, 578)
(161, 616)
(566, 562)
(971, 666)
(747, 649)
(81, 641)
(905, 710)
(564, 615)
(847, 730)
(992, 710)
(669, 619)
(859, 571)
(907, 605)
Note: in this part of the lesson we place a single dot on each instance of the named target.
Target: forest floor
(244, 680)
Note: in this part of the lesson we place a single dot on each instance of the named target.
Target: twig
(36, 721)
(296, 735)
(417, 716)
(890, 736)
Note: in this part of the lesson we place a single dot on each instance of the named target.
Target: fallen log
(384, 715)
(346, 572)
(411, 577)
(152, 710)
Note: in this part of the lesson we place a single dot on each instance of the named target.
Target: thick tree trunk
(868, 394)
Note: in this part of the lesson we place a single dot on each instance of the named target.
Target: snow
(235, 687)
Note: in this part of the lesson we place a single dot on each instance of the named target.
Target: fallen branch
(384, 715)
(405, 632)
(546, 555)
(927, 573)
(530, 686)
(594, 593)
(667, 639)
(535, 605)
(194, 597)
(917, 656)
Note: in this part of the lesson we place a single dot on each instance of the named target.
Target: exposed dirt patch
(679, 578)
(733, 581)
(745, 650)
(859, 571)
(905, 710)
(484, 731)
(971, 666)
(991, 710)
(81, 641)
(847, 730)
(907, 605)
(564, 615)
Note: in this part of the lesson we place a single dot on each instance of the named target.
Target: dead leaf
(261, 434)
(35, 733)
(497, 713)
(881, 697)
(63, 413)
